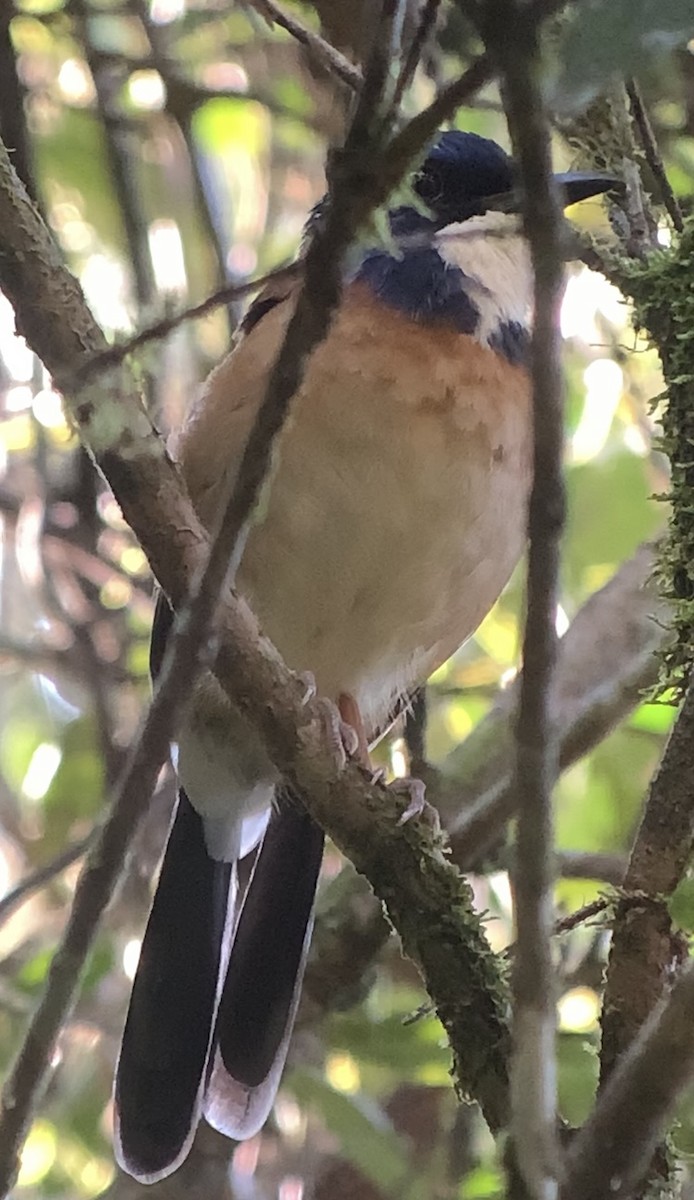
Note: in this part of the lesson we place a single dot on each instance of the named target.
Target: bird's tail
(262, 986)
(201, 1032)
(166, 1041)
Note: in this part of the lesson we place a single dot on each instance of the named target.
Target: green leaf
(613, 38)
(656, 718)
(598, 801)
(367, 1139)
(482, 1183)
(577, 1065)
(611, 511)
(413, 1050)
(77, 789)
(31, 975)
(681, 904)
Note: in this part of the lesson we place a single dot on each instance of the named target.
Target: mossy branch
(662, 292)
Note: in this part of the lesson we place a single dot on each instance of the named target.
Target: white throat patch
(494, 256)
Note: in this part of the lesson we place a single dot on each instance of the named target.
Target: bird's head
(455, 256)
(465, 175)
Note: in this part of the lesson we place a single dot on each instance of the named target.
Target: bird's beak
(573, 186)
(581, 185)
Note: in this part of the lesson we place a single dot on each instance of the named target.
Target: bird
(394, 517)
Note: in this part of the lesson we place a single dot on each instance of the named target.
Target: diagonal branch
(642, 121)
(607, 660)
(328, 56)
(609, 1157)
(644, 945)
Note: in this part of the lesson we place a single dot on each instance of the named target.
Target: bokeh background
(175, 145)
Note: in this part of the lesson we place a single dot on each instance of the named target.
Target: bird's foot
(418, 806)
(308, 682)
(343, 739)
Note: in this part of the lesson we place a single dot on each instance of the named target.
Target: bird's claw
(414, 790)
(343, 739)
(350, 738)
(308, 681)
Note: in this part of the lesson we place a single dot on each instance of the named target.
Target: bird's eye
(429, 185)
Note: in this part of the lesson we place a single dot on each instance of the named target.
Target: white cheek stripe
(491, 253)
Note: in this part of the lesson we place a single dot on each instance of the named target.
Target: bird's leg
(418, 806)
(351, 717)
(412, 789)
(342, 738)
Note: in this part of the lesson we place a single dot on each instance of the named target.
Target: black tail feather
(261, 990)
(167, 1035)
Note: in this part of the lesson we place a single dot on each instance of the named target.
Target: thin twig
(592, 864)
(118, 144)
(424, 126)
(512, 37)
(112, 356)
(587, 912)
(328, 56)
(609, 1156)
(621, 899)
(652, 152)
(427, 20)
(43, 875)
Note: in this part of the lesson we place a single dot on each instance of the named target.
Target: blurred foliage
(172, 145)
(613, 38)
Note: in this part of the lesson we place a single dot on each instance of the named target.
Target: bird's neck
(474, 277)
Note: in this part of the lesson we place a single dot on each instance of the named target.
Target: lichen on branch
(661, 289)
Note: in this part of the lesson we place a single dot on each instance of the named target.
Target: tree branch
(609, 1157)
(512, 39)
(607, 659)
(644, 945)
(425, 24)
(325, 54)
(43, 875)
(653, 158)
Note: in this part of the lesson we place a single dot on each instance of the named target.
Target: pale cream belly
(390, 531)
(395, 514)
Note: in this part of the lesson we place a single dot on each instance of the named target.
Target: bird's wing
(211, 443)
